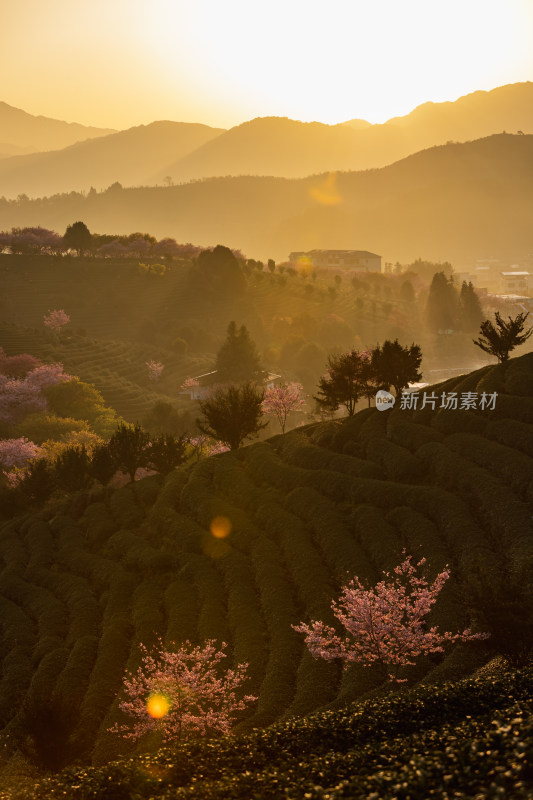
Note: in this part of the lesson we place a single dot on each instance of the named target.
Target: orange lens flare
(158, 706)
(220, 527)
(326, 192)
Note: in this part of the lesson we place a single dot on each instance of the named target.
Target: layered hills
(286, 148)
(23, 132)
(135, 156)
(270, 146)
(87, 578)
(457, 202)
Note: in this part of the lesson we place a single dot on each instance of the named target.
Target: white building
(516, 282)
(346, 259)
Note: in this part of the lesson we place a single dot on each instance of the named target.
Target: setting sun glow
(132, 61)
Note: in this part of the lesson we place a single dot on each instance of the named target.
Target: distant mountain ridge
(286, 148)
(20, 130)
(268, 146)
(131, 157)
(454, 202)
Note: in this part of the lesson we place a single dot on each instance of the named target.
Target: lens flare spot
(158, 706)
(220, 527)
(326, 192)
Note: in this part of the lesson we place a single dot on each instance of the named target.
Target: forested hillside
(85, 580)
(478, 190)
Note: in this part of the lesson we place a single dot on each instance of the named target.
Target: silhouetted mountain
(454, 202)
(27, 132)
(132, 157)
(286, 148)
(271, 146)
(278, 146)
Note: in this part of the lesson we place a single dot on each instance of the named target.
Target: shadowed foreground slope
(83, 583)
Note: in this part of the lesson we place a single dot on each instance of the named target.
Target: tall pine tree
(238, 359)
(470, 313)
(443, 304)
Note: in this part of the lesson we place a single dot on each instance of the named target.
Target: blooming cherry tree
(385, 625)
(47, 375)
(17, 452)
(155, 368)
(182, 693)
(282, 400)
(56, 319)
(21, 396)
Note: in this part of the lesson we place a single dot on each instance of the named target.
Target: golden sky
(118, 63)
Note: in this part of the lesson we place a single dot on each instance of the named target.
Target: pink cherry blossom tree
(17, 366)
(47, 375)
(190, 385)
(17, 452)
(56, 319)
(182, 693)
(19, 398)
(155, 368)
(280, 401)
(385, 625)
(22, 396)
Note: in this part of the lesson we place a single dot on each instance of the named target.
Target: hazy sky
(118, 63)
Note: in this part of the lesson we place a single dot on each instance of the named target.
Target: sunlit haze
(118, 63)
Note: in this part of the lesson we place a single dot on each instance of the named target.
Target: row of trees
(75, 468)
(233, 413)
(354, 375)
(77, 237)
(451, 309)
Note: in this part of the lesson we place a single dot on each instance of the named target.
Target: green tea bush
(300, 452)
(244, 620)
(419, 535)
(348, 431)
(73, 681)
(97, 523)
(514, 407)
(40, 543)
(378, 540)
(303, 559)
(181, 608)
(512, 433)
(17, 673)
(504, 463)
(282, 649)
(398, 463)
(410, 435)
(266, 468)
(449, 421)
(519, 376)
(341, 551)
(506, 519)
(146, 614)
(231, 479)
(212, 617)
(465, 539)
(106, 677)
(124, 508)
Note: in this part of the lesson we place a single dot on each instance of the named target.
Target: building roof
(515, 274)
(358, 253)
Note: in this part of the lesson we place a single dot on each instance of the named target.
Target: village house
(199, 387)
(516, 282)
(346, 259)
